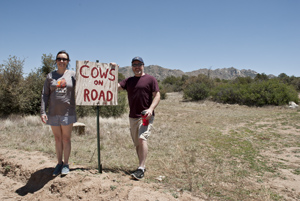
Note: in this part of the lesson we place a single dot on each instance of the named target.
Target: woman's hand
(44, 118)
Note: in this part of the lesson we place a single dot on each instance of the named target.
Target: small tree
(261, 77)
(31, 98)
(10, 82)
(33, 85)
(48, 64)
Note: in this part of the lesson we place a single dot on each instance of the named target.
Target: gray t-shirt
(59, 94)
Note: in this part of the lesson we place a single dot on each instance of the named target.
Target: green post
(98, 137)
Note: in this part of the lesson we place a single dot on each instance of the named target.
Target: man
(143, 95)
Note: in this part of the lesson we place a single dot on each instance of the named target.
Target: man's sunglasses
(64, 59)
(137, 65)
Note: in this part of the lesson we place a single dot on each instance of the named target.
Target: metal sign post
(98, 141)
(96, 84)
(98, 137)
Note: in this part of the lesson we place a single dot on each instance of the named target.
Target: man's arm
(116, 66)
(156, 99)
(119, 87)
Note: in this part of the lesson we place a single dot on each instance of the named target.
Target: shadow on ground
(36, 181)
(41, 177)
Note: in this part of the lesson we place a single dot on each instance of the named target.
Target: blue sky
(261, 35)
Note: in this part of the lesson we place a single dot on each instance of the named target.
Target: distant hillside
(161, 73)
(158, 72)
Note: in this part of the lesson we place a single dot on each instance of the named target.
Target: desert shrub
(227, 93)
(30, 101)
(197, 87)
(18, 94)
(201, 78)
(11, 73)
(120, 77)
(268, 92)
(85, 111)
(32, 87)
(196, 91)
(296, 83)
(274, 92)
(243, 80)
(115, 110)
(261, 77)
(174, 84)
(163, 91)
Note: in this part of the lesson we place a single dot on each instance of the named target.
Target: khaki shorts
(137, 129)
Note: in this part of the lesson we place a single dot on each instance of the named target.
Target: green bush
(196, 91)
(84, 111)
(268, 92)
(174, 84)
(226, 93)
(11, 83)
(197, 87)
(163, 91)
(115, 110)
(30, 101)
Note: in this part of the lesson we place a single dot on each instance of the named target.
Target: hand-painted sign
(96, 83)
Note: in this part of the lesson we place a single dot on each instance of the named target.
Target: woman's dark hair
(63, 52)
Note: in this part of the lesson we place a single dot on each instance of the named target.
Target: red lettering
(94, 94)
(109, 96)
(98, 82)
(104, 73)
(92, 72)
(110, 72)
(86, 95)
(95, 72)
(101, 94)
(84, 66)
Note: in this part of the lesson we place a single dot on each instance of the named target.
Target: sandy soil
(28, 176)
(288, 183)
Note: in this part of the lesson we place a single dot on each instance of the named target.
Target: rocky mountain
(161, 73)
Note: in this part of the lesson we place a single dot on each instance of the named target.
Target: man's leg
(142, 151)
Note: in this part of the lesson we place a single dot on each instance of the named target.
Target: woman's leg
(66, 141)
(57, 131)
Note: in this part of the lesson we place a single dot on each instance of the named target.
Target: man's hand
(156, 99)
(148, 113)
(114, 65)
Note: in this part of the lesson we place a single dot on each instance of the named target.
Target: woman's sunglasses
(64, 59)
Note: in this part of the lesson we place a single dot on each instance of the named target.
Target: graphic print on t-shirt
(61, 87)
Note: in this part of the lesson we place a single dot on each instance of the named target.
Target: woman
(59, 97)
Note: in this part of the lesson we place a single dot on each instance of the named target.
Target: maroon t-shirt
(139, 92)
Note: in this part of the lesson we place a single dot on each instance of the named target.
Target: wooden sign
(96, 84)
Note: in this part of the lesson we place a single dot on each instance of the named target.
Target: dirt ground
(288, 184)
(28, 176)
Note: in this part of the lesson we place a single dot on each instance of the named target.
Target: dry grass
(216, 151)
